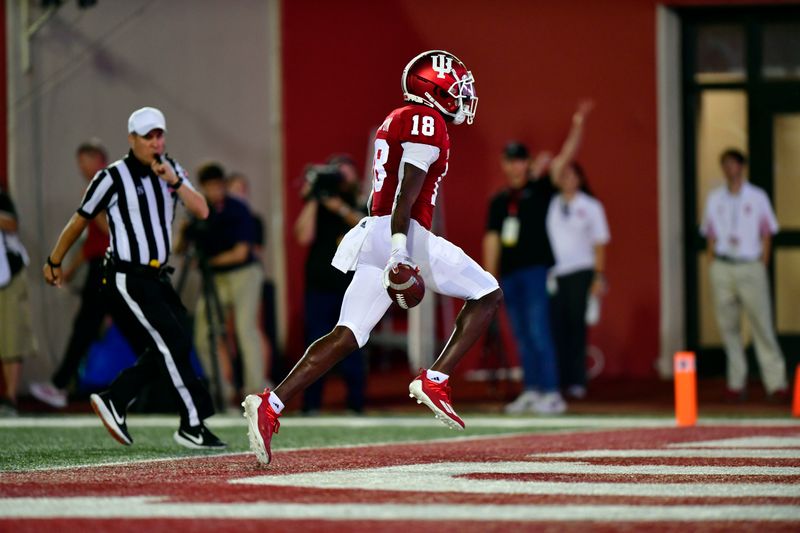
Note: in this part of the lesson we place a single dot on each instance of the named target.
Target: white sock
(275, 402)
(438, 377)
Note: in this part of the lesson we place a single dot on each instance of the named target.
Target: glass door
(780, 134)
(741, 88)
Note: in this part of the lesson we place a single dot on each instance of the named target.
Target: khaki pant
(238, 291)
(744, 286)
(16, 333)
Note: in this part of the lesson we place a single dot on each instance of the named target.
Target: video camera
(325, 181)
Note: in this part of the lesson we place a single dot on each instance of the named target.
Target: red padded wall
(533, 61)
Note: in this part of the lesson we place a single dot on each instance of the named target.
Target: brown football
(406, 287)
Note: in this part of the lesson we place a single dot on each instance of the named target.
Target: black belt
(733, 260)
(126, 267)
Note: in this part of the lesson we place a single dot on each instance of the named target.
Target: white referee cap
(144, 120)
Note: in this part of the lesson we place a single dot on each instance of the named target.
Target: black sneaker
(8, 409)
(110, 415)
(198, 438)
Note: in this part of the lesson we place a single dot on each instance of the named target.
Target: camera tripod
(215, 318)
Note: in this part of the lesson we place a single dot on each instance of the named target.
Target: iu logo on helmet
(442, 64)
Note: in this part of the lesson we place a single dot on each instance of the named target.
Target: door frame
(764, 99)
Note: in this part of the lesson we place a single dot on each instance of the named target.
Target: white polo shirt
(738, 221)
(575, 228)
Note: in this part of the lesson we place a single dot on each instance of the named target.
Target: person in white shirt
(578, 231)
(16, 330)
(738, 224)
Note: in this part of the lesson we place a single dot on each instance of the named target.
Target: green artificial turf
(63, 441)
(28, 448)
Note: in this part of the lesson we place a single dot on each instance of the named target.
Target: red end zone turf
(698, 479)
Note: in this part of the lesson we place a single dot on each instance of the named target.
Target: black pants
(322, 313)
(150, 314)
(86, 325)
(568, 315)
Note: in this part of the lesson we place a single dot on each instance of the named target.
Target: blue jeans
(528, 306)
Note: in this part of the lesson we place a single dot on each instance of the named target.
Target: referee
(139, 194)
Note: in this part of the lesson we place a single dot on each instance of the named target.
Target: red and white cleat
(262, 422)
(437, 397)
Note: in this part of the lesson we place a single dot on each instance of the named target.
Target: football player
(412, 148)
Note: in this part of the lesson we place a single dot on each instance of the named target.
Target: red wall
(532, 61)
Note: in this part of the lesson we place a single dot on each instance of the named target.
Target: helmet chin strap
(458, 118)
(416, 99)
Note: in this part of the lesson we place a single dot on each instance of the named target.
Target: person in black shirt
(238, 186)
(139, 194)
(226, 241)
(517, 251)
(326, 216)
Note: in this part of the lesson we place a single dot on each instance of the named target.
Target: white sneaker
(550, 403)
(49, 394)
(524, 402)
(576, 391)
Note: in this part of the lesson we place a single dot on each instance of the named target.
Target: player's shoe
(262, 422)
(198, 438)
(111, 417)
(437, 397)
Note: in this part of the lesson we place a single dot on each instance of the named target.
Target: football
(405, 287)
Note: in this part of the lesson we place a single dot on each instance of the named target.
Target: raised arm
(572, 143)
(194, 201)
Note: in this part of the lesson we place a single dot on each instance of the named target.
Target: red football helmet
(440, 80)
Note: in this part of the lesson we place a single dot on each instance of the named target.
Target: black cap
(210, 171)
(516, 150)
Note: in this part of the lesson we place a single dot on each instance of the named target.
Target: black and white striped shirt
(140, 208)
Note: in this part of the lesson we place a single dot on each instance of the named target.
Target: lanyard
(513, 201)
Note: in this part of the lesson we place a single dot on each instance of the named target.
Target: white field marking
(498, 421)
(759, 447)
(685, 453)
(446, 477)
(578, 467)
(158, 507)
(744, 442)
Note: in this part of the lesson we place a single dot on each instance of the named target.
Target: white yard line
(454, 477)
(760, 442)
(687, 453)
(154, 507)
